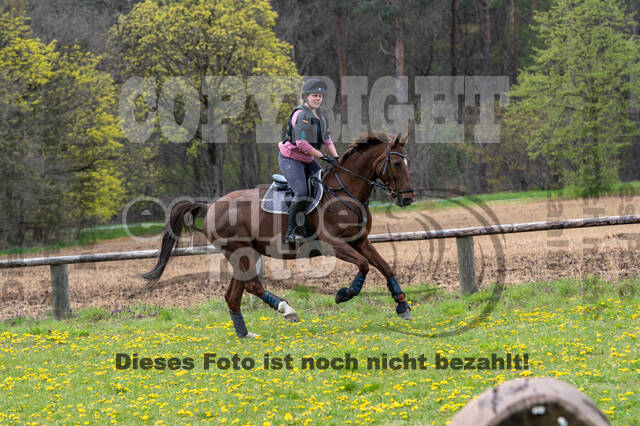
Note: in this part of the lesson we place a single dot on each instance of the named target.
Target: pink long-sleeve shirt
(299, 151)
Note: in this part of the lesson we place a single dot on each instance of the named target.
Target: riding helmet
(314, 85)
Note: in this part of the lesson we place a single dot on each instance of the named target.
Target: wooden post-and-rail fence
(463, 236)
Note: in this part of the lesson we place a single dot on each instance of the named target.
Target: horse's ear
(396, 140)
(404, 139)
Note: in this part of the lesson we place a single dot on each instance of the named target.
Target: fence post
(60, 290)
(466, 265)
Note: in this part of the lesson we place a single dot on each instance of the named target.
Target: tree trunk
(486, 35)
(258, 162)
(399, 49)
(486, 47)
(342, 64)
(249, 158)
(21, 229)
(220, 186)
(197, 178)
(635, 174)
(513, 58)
(452, 38)
(213, 170)
(399, 55)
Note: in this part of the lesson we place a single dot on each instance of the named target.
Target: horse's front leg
(366, 248)
(344, 251)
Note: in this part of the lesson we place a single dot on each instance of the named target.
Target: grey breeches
(296, 173)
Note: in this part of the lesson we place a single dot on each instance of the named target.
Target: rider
(307, 132)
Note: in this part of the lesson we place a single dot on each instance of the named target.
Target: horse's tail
(182, 213)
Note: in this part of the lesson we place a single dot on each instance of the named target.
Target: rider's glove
(331, 160)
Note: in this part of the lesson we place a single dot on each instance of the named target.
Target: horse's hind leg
(233, 296)
(244, 260)
(276, 302)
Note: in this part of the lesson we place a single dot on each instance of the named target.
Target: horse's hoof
(343, 295)
(151, 284)
(293, 317)
(251, 335)
(405, 315)
(403, 310)
(288, 312)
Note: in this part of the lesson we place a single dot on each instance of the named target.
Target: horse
(242, 231)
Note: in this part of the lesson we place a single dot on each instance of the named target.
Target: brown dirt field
(608, 252)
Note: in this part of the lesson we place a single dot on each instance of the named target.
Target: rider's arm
(315, 153)
(318, 154)
(332, 150)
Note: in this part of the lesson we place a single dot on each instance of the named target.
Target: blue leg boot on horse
(345, 293)
(402, 309)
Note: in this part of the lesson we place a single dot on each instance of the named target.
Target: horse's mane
(364, 141)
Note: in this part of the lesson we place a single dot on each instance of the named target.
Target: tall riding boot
(296, 218)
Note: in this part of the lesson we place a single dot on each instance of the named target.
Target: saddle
(278, 198)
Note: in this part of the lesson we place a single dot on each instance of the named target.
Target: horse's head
(392, 167)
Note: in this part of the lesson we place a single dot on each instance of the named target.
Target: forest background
(66, 163)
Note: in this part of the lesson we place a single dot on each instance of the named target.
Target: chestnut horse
(237, 226)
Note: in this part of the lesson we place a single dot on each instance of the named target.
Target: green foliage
(58, 135)
(572, 105)
(203, 40)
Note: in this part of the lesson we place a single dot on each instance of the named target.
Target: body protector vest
(308, 127)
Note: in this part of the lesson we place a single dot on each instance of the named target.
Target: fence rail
(464, 242)
(103, 257)
(478, 231)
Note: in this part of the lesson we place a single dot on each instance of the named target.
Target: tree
(201, 40)
(485, 18)
(342, 62)
(572, 104)
(59, 138)
(452, 39)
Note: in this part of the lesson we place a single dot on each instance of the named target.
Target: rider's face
(314, 99)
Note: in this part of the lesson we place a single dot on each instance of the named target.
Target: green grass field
(584, 332)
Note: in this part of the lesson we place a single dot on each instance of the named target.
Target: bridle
(378, 183)
(387, 159)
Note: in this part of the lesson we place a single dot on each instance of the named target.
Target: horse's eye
(397, 164)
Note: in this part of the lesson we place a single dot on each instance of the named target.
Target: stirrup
(293, 237)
